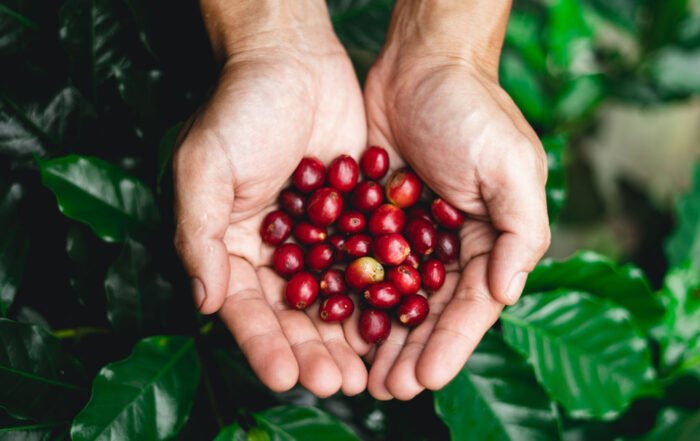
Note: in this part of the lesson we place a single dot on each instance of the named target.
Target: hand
(444, 112)
(284, 93)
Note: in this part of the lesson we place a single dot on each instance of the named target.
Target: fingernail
(516, 287)
(200, 294)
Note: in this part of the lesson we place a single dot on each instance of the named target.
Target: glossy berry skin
(374, 326)
(403, 188)
(351, 222)
(324, 206)
(446, 215)
(332, 282)
(367, 196)
(447, 246)
(386, 219)
(288, 259)
(308, 234)
(309, 175)
(301, 290)
(320, 257)
(293, 203)
(363, 272)
(382, 295)
(336, 308)
(419, 212)
(358, 245)
(276, 227)
(374, 163)
(390, 249)
(412, 260)
(338, 242)
(343, 173)
(432, 274)
(413, 310)
(405, 278)
(421, 235)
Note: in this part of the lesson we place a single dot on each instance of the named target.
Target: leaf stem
(79, 332)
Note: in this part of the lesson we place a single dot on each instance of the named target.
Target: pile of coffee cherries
(385, 242)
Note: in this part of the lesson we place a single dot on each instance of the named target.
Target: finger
(465, 320)
(261, 339)
(203, 200)
(384, 358)
(351, 328)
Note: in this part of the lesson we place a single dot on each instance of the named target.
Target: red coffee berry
(446, 215)
(358, 245)
(374, 326)
(351, 222)
(419, 212)
(288, 259)
(390, 249)
(382, 295)
(405, 278)
(301, 291)
(332, 282)
(446, 246)
(343, 173)
(367, 196)
(324, 206)
(413, 310)
(338, 242)
(320, 257)
(309, 175)
(386, 219)
(421, 235)
(374, 163)
(336, 308)
(293, 203)
(433, 275)
(276, 227)
(412, 260)
(308, 234)
(403, 188)
(363, 272)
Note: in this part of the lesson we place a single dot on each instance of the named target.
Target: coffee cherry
(351, 222)
(308, 234)
(419, 212)
(386, 219)
(309, 175)
(320, 257)
(374, 163)
(324, 206)
(367, 196)
(421, 235)
(374, 326)
(405, 278)
(336, 308)
(403, 188)
(446, 246)
(383, 295)
(288, 259)
(391, 249)
(276, 227)
(358, 245)
(293, 203)
(433, 274)
(343, 173)
(413, 310)
(332, 282)
(412, 260)
(446, 215)
(363, 272)
(338, 242)
(301, 291)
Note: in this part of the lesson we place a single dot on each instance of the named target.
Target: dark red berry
(446, 246)
(288, 259)
(413, 310)
(412, 260)
(386, 219)
(405, 278)
(447, 215)
(336, 308)
(338, 242)
(374, 163)
(419, 212)
(363, 272)
(301, 291)
(293, 203)
(390, 249)
(320, 257)
(351, 222)
(309, 175)
(276, 227)
(333, 282)
(324, 206)
(432, 274)
(374, 326)
(308, 234)
(403, 188)
(343, 173)
(382, 295)
(421, 235)
(358, 245)
(367, 196)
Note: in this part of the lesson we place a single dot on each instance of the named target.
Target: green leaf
(623, 13)
(675, 71)
(361, 24)
(556, 180)
(146, 396)
(14, 246)
(101, 195)
(524, 35)
(138, 88)
(136, 293)
(569, 37)
(523, 85)
(34, 432)
(684, 243)
(15, 26)
(166, 146)
(37, 378)
(496, 397)
(675, 424)
(681, 339)
(597, 275)
(579, 97)
(585, 351)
